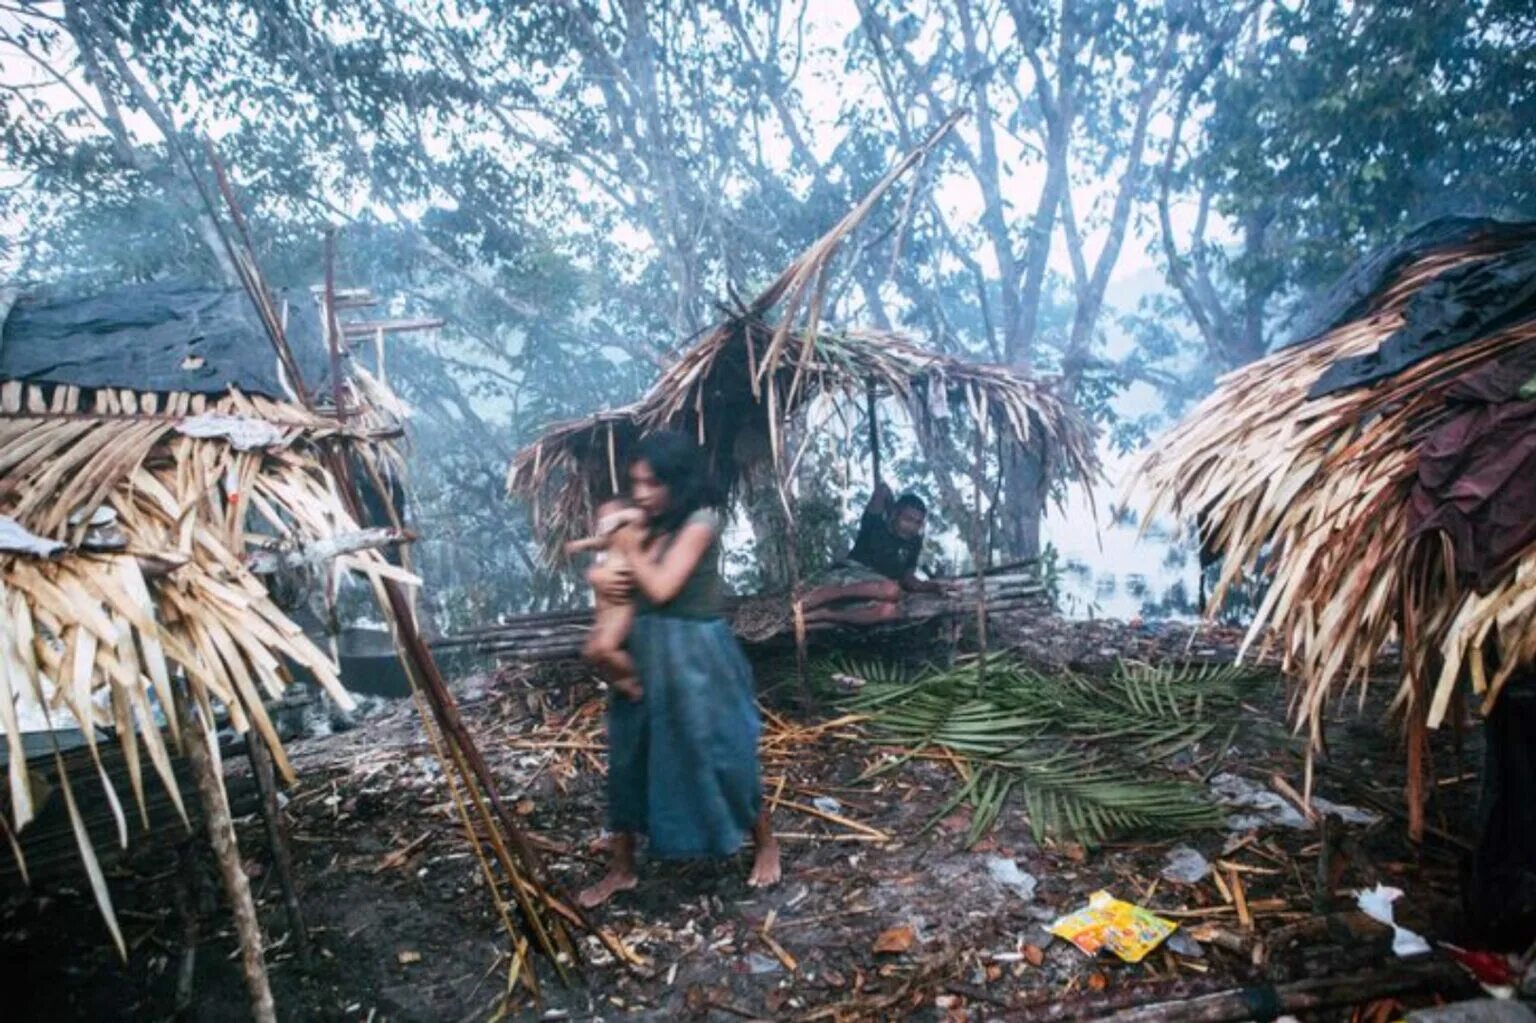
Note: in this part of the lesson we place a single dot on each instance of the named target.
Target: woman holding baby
(682, 754)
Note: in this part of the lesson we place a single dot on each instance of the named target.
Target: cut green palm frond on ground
(1075, 747)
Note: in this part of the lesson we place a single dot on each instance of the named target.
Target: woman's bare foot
(620, 876)
(765, 861)
(613, 882)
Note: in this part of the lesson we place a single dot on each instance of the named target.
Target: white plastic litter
(15, 537)
(1007, 873)
(1350, 814)
(1257, 806)
(826, 804)
(1377, 904)
(1186, 865)
(244, 432)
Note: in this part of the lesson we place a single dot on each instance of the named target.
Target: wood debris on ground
(862, 866)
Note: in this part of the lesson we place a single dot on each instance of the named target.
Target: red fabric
(1477, 472)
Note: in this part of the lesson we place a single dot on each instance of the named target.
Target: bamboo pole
(874, 431)
(413, 650)
(226, 851)
(784, 481)
(277, 839)
(792, 555)
(419, 663)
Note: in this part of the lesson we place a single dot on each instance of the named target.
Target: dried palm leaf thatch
(709, 393)
(151, 586)
(1313, 492)
(745, 378)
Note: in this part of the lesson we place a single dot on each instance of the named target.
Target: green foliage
(1332, 128)
(1077, 748)
(574, 187)
(1050, 572)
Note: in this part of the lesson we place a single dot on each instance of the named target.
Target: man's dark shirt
(882, 550)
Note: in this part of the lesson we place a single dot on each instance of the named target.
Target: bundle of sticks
(558, 635)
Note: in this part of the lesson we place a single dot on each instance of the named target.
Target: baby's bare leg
(605, 648)
(621, 666)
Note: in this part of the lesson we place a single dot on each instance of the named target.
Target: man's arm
(880, 500)
(912, 584)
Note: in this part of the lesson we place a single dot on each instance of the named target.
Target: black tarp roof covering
(161, 337)
(1463, 304)
(1353, 294)
(1357, 291)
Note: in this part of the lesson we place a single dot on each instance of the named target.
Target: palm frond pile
(1074, 748)
(1332, 468)
(737, 387)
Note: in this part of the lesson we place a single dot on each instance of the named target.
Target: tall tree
(1063, 97)
(1329, 128)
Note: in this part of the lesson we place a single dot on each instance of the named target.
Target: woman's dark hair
(680, 466)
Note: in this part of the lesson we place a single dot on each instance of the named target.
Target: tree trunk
(1024, 503)
(93, 45)
(769, 530)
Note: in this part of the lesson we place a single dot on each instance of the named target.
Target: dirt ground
(404, 930)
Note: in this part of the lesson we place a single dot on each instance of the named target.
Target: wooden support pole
(978, 552)
(226, 851)
(792, 556)
(277, 839)
(874, 431)
(783, 475)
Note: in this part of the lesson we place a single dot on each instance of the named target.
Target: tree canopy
(575, 184)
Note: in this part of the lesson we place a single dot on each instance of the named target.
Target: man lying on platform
(866, 587)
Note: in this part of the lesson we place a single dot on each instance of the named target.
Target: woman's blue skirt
(682, 761)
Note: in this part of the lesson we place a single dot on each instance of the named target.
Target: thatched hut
(745, 381)
(1385, 464)
(154, 468)
(720, 392)
(172, 459)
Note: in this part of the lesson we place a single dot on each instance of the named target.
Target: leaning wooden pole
(783, 474)
(553, 940)
(277, 839)
(226, 851)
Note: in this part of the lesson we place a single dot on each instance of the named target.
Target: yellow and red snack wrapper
(1128, 931)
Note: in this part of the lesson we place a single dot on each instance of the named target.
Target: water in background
(1107, 569)
(1102, 565)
